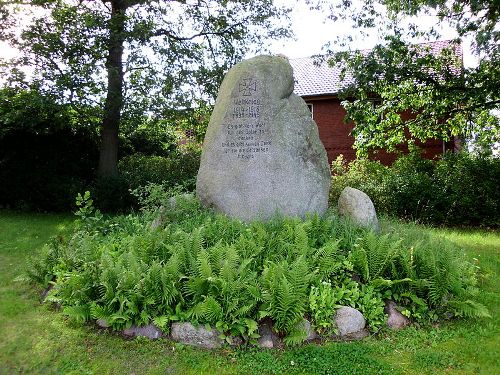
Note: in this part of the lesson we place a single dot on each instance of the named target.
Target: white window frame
(311, 109)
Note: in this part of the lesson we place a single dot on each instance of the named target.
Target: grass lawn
(35, 339)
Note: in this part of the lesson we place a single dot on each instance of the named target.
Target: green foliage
(179, 168)
(447, 347)
(88, 215)
(176, 55)
(457, 189)
(425, 91)
(284, 293)
(325, 298)
(208, 269)
(47, 153)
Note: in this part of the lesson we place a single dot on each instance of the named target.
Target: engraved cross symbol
(247, 86)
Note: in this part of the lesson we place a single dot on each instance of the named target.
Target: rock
(358, 206)
(150, 331)
(158, 221)
(356, 336)
(349, 321)
(186, 333)
(46, 292)
(395, 319)
(268, 339)
(102, 323)
(262, 155)
(306, 325)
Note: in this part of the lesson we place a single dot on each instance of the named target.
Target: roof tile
(314, 76)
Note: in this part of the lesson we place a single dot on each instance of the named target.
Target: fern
(296, 336)
(469, 309)
(373, 255)
(285, 292)
(162, 322)
(79, 313)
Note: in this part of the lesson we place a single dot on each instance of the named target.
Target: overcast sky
(313, 31)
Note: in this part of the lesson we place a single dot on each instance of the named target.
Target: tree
(127, 58)
(444, 99)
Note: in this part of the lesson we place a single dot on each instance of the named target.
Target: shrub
(45, 171)
(458, 189)
(210, 269)
(179, 168)
(470, 186)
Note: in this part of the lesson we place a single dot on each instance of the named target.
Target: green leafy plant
(209, 269)
(89, 216)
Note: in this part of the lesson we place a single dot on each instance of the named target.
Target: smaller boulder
(150, 331)
(102, 323)
(306, 326)
(268, 339)
(349, 321)
(358, 206)
(46, 292)
(174, 201)
(395, 319)
(188, 334)
(356, 336)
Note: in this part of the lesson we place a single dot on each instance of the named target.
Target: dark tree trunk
(108, 157)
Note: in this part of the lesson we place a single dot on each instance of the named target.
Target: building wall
(329, 115)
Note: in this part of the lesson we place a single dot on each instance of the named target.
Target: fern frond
(296, 336)
(162, 322)
(79, 313)
(469, 309)
(204, 267)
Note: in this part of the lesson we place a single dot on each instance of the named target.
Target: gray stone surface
(356, 336)
(395, 319)
(349, 321)
(262, 154)
(188, 334)
(102, 323)
(150, 331)
(268, 339)
(311, 334)
(358, 206)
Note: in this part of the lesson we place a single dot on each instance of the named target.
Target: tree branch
(479, 105)
(167, 33)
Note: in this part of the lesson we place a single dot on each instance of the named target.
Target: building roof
(314, 77)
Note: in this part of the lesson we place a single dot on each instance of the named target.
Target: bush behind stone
(457, 189)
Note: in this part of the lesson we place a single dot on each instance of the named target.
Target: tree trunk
(108, 157)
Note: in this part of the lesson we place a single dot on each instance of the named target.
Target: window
(310, 106)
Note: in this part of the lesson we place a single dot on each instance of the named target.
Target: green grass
(35, 339)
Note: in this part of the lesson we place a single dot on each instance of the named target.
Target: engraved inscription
(247, 133)
(248, 86)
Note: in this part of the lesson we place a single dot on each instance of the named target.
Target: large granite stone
(188, 334)
(262, 154)
(358, 206)
(349, 321)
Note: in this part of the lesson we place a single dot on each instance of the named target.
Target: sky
(312, 31)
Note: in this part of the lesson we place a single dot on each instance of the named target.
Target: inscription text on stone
(247, 133)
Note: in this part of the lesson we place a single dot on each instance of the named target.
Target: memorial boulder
(262, 154)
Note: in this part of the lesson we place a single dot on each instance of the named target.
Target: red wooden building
(319, 85)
